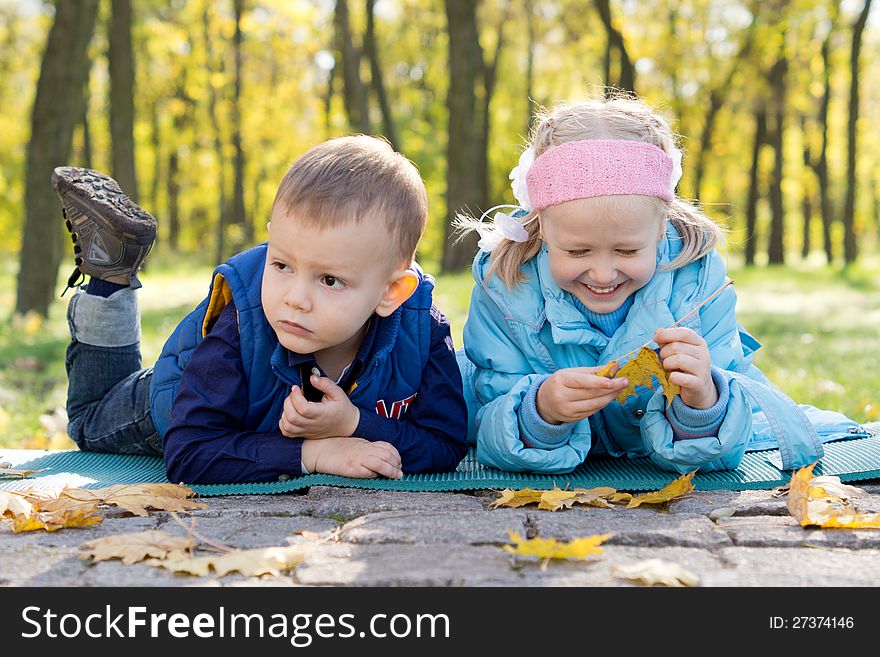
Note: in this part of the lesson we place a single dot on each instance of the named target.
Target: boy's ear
(400, 288)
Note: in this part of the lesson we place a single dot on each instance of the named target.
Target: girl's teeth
(601, 290)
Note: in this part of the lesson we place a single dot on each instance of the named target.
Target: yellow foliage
(553, 500)
(671, 491)
(825, 502)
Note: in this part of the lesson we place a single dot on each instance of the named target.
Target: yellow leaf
(652, 572)
(620, 498)
(260, 561)
(827, 505)
(641, 371)
(608, 369)
(553, 500)
(82, 516)
(517, 498)
(137, 546)
(550, 548)
(673, 490)
(137, 498)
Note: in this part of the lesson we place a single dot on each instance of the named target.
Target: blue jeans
(108, 394)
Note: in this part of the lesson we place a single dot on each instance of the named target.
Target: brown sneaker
(111, 234)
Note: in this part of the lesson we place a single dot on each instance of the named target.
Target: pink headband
(599, 167)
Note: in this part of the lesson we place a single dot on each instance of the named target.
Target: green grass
(818, 326)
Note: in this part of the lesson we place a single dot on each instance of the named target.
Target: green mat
(851, 460)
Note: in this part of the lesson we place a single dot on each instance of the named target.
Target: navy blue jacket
(219, 385)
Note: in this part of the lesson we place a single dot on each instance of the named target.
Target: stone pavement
(384, 538)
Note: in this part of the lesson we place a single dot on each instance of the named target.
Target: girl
(601, 258)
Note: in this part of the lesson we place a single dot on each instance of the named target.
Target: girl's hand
(685, 356)
(571, 394)
(333, 416)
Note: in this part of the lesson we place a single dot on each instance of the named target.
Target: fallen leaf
(814, 505)
(620, 498)
(137, 498)
(653, 572)
(553, 500)
(260, 561)
(641, 371)
(137, 546)
(550, 548)
(671, 491)
(517, 498)
(11, 473)
(81, 516)
(14, 504)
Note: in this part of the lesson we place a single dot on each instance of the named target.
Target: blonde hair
(617, 117)
(354, 179)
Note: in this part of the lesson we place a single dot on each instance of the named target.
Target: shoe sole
(99, 197)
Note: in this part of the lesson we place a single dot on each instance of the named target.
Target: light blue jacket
(515, 338)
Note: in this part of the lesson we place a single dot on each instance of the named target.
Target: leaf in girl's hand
(671, 491)
(608, 369)
(641, 371)
(825, 502)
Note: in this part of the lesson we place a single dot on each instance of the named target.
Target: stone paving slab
(354, 537)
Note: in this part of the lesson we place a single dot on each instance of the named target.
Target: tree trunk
(86, 156)
(376, 80)
(717, 98)
(490, 74)
(755, 186)
(58, 106)
(173, 193)
(807, 199)
(821, 164)
(530, 63)
(354, 92)
(238, 214)
(775, 244)
(627, 80)
(121, 69)
(464, 140)
(850, 252)
(220, 252)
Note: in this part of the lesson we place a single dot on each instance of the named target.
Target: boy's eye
(332, 281)
(280, 266)
(627, 252)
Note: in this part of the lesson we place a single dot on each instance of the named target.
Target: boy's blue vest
(393, 372)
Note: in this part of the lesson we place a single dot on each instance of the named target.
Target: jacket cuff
(534, 430)
(690, 422)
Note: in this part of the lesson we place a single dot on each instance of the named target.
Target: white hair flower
(518, 178)
(503, 226)
(676, 155)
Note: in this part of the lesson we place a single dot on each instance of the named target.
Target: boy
(319, 351)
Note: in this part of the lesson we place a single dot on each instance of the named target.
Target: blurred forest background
(197, 108)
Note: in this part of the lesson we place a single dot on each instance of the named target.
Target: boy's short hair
(353, 178)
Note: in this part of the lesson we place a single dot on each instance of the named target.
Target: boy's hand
(685, 355)
(334, 415)
(571, 394)
(352, 457)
